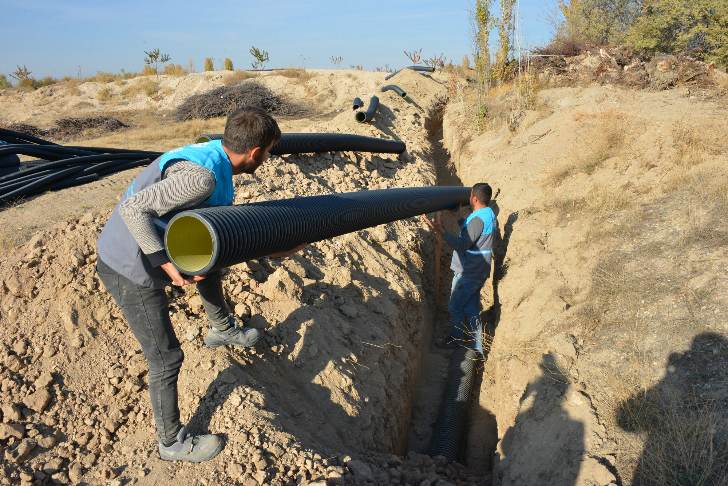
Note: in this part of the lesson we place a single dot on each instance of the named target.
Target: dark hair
(250, 127)
(482, 192)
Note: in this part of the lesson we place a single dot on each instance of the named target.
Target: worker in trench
(135, 269)
(471, 260)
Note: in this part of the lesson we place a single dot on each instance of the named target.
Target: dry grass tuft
(295, 73)
(237, 77)
(147, 86)
(104, 94)
(603, 138)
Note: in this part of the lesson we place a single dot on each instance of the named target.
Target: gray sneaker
(192, 448)
(233, 336)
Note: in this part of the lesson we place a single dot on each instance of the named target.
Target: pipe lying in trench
(302, 143)
(367, 116)
(454, 413)
(202, 240)
(357, 103)
(421, 69)
(395, 88)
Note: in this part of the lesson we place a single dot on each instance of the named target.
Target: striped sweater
(183, 185)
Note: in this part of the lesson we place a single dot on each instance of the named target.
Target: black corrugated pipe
(454, 413)
(425, 69)
(366, 116)
(395, 88)
(202, 240)
(302, 143)
(357, 103)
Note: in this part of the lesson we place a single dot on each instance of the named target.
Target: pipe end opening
(189, 244)
(361, 117)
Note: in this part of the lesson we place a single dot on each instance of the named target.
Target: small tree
(465, 63)
(505, 34)
(154, 58)
(228, 64)
(208, 65)
(437, 62)
(260, 57)
(4, 83)
(336, 60)
(414, 56)
(482, 24)
(23, 75)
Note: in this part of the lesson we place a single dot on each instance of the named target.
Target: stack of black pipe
(57, 166)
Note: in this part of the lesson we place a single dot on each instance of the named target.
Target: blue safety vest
(116, 245)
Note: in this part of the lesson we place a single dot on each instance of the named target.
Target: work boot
(192, 448)
(233, 336)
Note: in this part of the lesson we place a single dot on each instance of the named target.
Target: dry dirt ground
(610, 296)
(329, 395)
(608, 300)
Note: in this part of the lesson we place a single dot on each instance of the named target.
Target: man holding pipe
(133, 264)
(471, 260)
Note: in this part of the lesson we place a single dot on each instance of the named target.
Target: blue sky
(55, 37)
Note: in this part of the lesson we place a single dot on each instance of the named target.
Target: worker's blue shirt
(473, 247)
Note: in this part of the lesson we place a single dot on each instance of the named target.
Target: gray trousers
(146, 310)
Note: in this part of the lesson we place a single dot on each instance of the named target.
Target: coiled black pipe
(302, 143)
(395, 88)
(366, 116)
(83, 160)
(199, 241)
(425, 69)
(18, 137)
(357, 103)
(454, 413)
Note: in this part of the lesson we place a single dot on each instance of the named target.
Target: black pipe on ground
(302, 143)
(395, 88)
(202, 240)
(422, 69)
(367, 116)
(357, 103)
(452, 419)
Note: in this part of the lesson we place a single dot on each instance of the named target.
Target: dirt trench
(479, 443)
(329, 399)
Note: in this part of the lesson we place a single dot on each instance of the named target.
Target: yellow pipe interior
(189, 243)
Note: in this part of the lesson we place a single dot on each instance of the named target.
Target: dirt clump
(224, 100)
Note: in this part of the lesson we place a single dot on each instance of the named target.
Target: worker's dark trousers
(147, 312)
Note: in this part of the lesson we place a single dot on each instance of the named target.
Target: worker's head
(249, 135)
(480, 195)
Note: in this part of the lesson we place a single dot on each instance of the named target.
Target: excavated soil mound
(224, 100)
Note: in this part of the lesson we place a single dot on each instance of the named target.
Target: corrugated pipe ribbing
(202, 240)
(452, 419)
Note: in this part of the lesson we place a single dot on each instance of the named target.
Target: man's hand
(177, 278)
(434, 225)
(286, 254)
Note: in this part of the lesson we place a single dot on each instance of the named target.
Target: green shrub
(208, 65)
(695, 27)
(228, 64)
(4, 83)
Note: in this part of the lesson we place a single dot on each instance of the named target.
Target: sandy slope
(609, 283)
